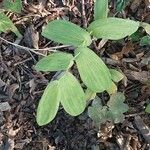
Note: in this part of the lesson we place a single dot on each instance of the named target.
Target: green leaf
(120, 5)
(48, 105)
(117, 107)
(145, 40)
(100, 9)
(89, 94)
(146, 26)
(113, 28)
(6, 24)
(135, 37)
(65, 32)
(71, 94)
(13, 5)
(94, 73)
(116, 76)
(114, 111)
(97, 112)
(112, 89)
(147, 108)
(55, 62)
(115, 116)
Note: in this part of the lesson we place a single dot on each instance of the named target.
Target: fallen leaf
(12, 88)
(125, 50)
(142, 76)
(147, 3)
(13, 132)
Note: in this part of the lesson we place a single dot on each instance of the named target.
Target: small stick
(83, 14)
(21, 62)
(35, 50)
(22, 47)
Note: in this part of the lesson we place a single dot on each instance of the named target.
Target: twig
(21, 62)
(35, 50)
(102, 43)
(83, 14)
(22, 47)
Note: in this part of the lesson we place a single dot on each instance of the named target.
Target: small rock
(4, 106)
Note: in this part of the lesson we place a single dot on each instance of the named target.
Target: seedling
(96, 76)
(113, 111)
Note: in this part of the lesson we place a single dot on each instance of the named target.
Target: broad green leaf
(97, 112)
(97, 102)
(48, 105)
(114, 111)
(117, 101)
(13, 5)
(135, 37)
(94, 73)
(116, 76)
(89, 94)
(71, 94)
(55, 62)
(145, 40)
(115, 116)
(146, 26)
(100, 9)
(117, 107)
(112, 89)
(148, 108)
(113, 28)
(65, 32)
(6, 24)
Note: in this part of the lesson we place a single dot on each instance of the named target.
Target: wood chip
(4, 106)
(144, 130)
(147, 2)
(31, 37)
(142, 76)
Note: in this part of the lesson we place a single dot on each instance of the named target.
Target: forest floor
(21, 86)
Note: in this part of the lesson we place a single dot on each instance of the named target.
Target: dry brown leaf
(32, 85)
(147, 3)
(142, 76)
(13, 132)
(125, 50)
(12, 88)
